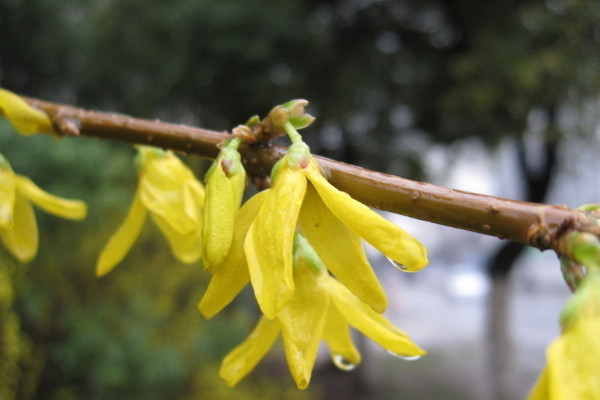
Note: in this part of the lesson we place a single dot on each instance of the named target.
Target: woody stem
(538, 225)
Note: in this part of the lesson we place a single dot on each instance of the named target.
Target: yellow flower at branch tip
(320, 309)
(333, 222)
(572, 370)
(170, 192)
(225, 185)
(18, 227)
(24, 118)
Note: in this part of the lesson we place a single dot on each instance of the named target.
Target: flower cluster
(18, 226)
(173, 197)
(572, 368)
(299, 243)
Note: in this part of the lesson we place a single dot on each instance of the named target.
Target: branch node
(66, 126)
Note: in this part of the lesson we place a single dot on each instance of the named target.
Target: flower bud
(225, 185)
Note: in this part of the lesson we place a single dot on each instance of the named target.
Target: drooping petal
(186, 248)
(371, 324)
(242, 359)
(121, 241)
(22, 239)
(193, 198)
(388, 238)
(231, 275)
(169, 189)
(24, 118)
(65, 208)
(223, 197)
(341, 250)
(269, 243)
(573, 367)
(338, 337)
(540, 389)
(8, 189)
(302, 321)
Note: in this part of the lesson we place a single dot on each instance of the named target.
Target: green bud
(291, 113)
(298, 155)
(304, 252)
(297, 116)
(584, 248)
(253, 121)
(585, 301)
(589, 207)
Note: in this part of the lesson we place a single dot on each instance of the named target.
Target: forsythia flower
(24, 118)
(321, 308)
(333, 222)
(174, 198)
(18, 227)
(225, 185)
(573, 370)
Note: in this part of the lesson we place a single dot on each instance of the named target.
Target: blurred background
(495, 97)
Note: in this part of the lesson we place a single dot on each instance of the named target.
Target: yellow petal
(8, 188)
(22, 239)
(223, 198)
(270, 240)
(540, 389)
(186, 248)
(371, 324)
(231, 275)
(170, 190)
(338, 337)
(388, 238)
(302, 321)
(121, 241)
(341, 250)
(241, 360)
(24, 118)
(573, 367)
(65, 208)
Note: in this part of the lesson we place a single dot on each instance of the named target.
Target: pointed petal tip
(103, 268)
(303, 383)
(270, 310)
(205, 309)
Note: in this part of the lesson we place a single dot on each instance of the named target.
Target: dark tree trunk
(537, 181)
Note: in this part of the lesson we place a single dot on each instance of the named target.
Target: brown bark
(532, 224)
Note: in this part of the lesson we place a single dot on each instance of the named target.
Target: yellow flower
(232, 275)
(321, 308)
(173, 196)
(18, 227)
(225, 185)
(333, 222)
(24, 118)
(572, 369)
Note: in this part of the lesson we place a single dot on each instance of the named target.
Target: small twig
(532, 224)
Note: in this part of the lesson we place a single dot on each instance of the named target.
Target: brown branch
(533, 224)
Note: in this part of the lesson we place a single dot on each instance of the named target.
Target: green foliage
(19, 365)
